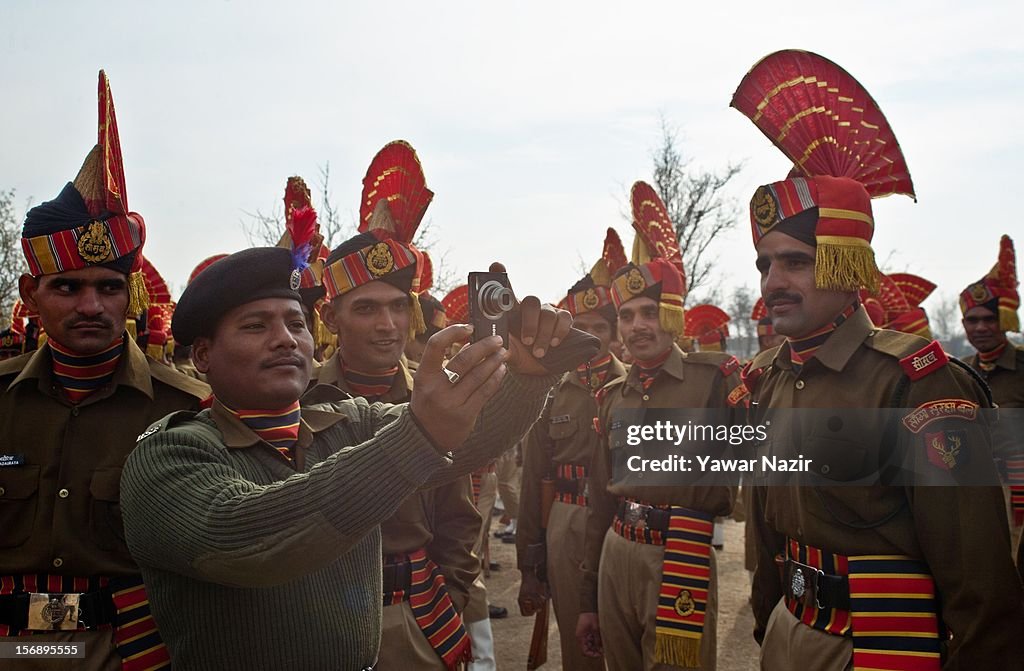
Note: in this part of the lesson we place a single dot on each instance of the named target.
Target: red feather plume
(614, 254)
(156, 287)
(915, 289)
(456, 304)
(760, 311)
(426, 274)
(1007, 265)
(703, 319)
(395, 193)
(650, 219)
(824, 121)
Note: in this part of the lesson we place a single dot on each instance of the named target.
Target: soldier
(69, 416)
(767, 338)
(868, 570)
(637, 563)
(989, 308)
(559, 449)
(708, 326)
(257, 521)
(12, 344)
(373, 313)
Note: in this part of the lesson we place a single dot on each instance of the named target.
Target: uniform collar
(238, 435)
(837, 351)
(673, 366)
(330, 374)
(617, 370)
(133, 371)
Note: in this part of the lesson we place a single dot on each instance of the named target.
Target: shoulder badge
(947, 408)
(925, 361)
(729, 366)
(738, 394)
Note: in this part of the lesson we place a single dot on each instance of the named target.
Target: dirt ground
(736, 648)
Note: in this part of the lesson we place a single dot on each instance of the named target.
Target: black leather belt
(397, 577)
(571, 487)
(94, 608)
(641, 516)
(815, 588)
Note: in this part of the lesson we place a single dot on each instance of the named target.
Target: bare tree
(266, 228)
(12, 261)
(944, 321)
(743, 330)
(696, 203)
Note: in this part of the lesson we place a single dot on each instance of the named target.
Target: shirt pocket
(19, 498)
(564, 429)
(105, 520)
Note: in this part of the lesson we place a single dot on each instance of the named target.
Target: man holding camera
(257, 521)
(648, 562)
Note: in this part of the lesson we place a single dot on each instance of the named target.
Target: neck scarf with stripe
(987, 360)
(280, 427)
(370, 386)
(648, 370)
(893, 609)
(80, 376)
(594, 373)
(802, 350)
(435, 614)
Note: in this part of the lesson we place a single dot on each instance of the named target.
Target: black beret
(243, 277)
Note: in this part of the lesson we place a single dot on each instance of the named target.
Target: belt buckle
(819, 576)
(53, 612)
(636, 514)
(804, 579)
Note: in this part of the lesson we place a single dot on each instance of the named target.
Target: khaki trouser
(485, 505)
(629, 580)
(100, 653)
(509, 478)
(402, 644)
(566, 530)
(790, 644)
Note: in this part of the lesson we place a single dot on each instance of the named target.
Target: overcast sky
(531, 119)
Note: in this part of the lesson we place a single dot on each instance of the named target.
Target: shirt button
(74, 411)
(58, 562)
(799, 384)
(646, 397)
(2, 490)
(63, 493)
(825, 469)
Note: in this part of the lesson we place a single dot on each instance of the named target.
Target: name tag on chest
(560, 419)
(12, 460)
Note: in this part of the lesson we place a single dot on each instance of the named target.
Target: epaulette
(175, 378)
(917, 356)
(173, 419)
(15, 365)
(720, 360)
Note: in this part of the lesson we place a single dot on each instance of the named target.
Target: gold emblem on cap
(764, 208)
(685, 605)
(979, 292)
(635, 281)
(94, 244)
(379, 260)
(591, 299)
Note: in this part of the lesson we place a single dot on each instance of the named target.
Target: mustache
(105, 322)
(782, 296)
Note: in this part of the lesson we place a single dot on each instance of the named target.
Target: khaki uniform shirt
(60, 509)
(564, 434)
(442, 520)
(960, 532)
(697, 380)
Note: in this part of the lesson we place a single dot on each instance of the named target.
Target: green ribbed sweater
(250, 566)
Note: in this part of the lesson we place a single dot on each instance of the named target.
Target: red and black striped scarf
(370, 386)
(802, 350)
(594, 373)
(80, 376)
(648, 370)
(987, 360)
(433, 609)
(280, 427)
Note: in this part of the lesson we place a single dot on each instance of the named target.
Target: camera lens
(495, 299)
